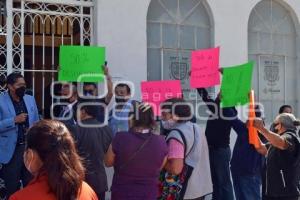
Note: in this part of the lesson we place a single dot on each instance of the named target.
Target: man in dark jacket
(246, 164)
(91, 91)
(281, 180)
(218, 128)
(92, 141)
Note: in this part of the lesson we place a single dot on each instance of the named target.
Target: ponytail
(55, 147)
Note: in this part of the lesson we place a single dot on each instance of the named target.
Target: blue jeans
(220, 173)
(247, 187)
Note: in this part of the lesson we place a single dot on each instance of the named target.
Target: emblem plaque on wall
(271, 77)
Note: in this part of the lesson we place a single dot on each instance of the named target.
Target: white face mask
(28, 164)
(168, 124)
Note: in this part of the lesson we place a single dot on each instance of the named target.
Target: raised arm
(109, 85)
(211, 105)
(274, 139)
(238, 126)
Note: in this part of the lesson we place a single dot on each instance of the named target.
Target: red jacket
(38, 189)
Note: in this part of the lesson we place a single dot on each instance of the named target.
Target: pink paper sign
(156, 92)
(205, 66)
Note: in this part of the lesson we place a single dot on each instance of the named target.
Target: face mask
(28, 164)
(20, 92)
(276, 130)
(121, 100)
(88, 93)
(168, 124)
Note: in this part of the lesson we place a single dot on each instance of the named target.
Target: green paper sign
(81, 63)
(236, 85)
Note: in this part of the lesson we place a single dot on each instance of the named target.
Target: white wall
(121, 27)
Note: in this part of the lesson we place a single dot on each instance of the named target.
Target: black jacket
(92, 144)
(219, 123)
(282, 173)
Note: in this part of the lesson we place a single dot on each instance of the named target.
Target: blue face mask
(88, 92)
(168, 124)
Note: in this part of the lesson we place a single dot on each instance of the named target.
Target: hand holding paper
(258, 123)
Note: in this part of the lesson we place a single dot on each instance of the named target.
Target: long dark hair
(142, 115)
(56, 149)
(179, 107)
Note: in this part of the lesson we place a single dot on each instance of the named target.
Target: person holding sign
(281, 177)
(218, 128)
(246, 163)
(90, 91)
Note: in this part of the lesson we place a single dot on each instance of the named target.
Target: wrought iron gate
(30, 36)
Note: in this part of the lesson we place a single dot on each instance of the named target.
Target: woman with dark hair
(137, 157)
(50, 156)
(187, 172)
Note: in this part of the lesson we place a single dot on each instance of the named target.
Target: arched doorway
(174, 29)
(272, 39)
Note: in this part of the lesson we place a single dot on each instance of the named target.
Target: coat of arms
(178, 70)
(271, 74)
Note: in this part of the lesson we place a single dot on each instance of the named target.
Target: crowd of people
(170, 158)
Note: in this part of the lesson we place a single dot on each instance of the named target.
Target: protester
(17, 113)
(218, 128)
(188, 157)
(246, 164)
(51, 157)
(137, 156)
(282, 109)
(119, 116)
(91, 90)
(282, 173)
(70, 98)
(92, 142)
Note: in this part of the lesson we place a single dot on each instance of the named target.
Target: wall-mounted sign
(271, 77)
